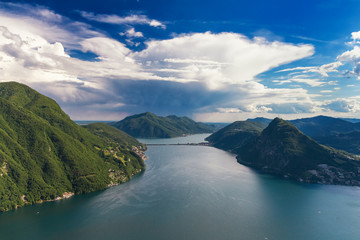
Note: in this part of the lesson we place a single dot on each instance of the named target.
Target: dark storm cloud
(165, 97)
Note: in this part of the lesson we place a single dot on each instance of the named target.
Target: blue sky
(210, 60)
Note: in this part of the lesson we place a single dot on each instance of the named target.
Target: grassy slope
(44, 153)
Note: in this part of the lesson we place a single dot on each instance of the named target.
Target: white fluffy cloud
(31, 59)
(353, 57)
(131, 33)
(39, 61)
(38, 52)
(40, 12)
(30, 56)
(326, 91)
(355, 35)
(228, 110)
(343, 105)
(340, 107)
(38, 23)
(217, 59)
(313, 82)
(115, 19)
(323, 70)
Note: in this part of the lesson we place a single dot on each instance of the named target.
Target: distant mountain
(45, 156)
(334, 132)
(338, 133)
(319, 125)
(352, 120)
(262, 120)
(235, 135)
(349, 142)
(324, 126)
(216, 126)
(283, 150)
(148, 125)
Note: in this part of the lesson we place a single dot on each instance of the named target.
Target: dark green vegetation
(319, 125)
(148, 125)
(89, 122)
(282, 149)
(352, 120)
(217, 126)
(44, 154)
(262, 120)
(113, 134)
(338, 133)
(333, 132)
(235, 135)
(324, 126)
(349, 142)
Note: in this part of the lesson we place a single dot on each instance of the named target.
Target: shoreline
(67, 195)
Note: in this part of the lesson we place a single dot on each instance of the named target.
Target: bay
(194, 192)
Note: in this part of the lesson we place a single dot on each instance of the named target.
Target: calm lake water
(195, 192)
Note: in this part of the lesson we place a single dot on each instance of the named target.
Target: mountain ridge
(235, 135)
(149, 125)
(283, 150)
(324, 125)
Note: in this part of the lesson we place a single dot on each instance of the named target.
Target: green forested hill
(44, 154)
(262, 120)
(235, 135)
(338, 133)
(349, 142)
(148, 125)
(324, 126)
(282, 149)
(113, 134)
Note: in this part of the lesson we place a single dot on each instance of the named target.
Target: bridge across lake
(179, 144)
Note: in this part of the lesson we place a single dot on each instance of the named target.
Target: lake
(194, 192)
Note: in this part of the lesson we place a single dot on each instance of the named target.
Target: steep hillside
(120, 140)
(113, 134)
(282, 149)
(46, 156)
(235, 135)
(148, 125)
